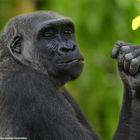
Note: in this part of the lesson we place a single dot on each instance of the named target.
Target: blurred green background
(99, 23)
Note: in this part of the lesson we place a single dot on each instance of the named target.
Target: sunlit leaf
(136, 23)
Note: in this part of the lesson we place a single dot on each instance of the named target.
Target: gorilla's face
(57, 49)
(46, 42)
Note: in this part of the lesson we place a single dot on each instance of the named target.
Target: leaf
(136, 23)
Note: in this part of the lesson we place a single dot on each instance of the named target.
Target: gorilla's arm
(128, 63)
(124, 126)
(79, 114)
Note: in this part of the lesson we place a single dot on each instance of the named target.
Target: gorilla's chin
(74, 70)
(67, 71)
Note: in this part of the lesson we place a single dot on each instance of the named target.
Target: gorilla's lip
(72, 61)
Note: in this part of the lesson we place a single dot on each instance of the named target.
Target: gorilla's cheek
(46, 57)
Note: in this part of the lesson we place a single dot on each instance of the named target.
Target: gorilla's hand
(128, 57)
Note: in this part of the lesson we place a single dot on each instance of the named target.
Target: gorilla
(38, 55)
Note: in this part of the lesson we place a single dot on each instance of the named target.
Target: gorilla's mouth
(73, 61)
(80, 60)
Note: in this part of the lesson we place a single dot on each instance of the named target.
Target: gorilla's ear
(16, 45)
(16, 49)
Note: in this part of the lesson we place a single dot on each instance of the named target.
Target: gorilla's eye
(68, 31)
(16, 44)
(49, 32)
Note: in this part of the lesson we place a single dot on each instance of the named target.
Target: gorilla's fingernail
(129, 56)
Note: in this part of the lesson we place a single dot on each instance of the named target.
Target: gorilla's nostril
(67, 49)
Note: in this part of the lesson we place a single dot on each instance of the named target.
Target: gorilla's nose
(66, 49)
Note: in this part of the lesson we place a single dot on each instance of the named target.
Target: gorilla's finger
(127, 60)
(136, 52)
(126, 49)
(116, 48)
(121, 62)
(115, 51)
(134, 66)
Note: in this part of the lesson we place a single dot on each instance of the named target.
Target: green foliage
(99, 24)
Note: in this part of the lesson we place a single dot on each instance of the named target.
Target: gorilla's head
(44, 41)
